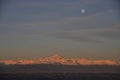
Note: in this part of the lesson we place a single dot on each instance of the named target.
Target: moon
(82, 10)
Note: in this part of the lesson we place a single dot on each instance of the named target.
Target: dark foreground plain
(59, 72)
(60, 76)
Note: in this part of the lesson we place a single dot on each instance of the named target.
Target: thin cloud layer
(30, 28)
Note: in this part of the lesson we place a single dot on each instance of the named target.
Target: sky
(72, 28)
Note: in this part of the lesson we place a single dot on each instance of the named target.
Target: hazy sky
(71, 28)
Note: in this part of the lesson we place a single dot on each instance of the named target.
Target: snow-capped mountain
(58, 60)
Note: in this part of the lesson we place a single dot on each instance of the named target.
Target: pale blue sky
(39, 28)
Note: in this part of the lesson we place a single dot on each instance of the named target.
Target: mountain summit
(56, 56)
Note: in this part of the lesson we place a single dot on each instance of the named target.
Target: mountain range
(58, 60)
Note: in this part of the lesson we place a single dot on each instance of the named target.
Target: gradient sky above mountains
(39, 28)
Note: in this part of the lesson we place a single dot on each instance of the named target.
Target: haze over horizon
(72, 28)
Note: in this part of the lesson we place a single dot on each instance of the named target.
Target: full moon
(82, 10)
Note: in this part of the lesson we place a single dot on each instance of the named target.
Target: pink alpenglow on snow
(58, 60)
